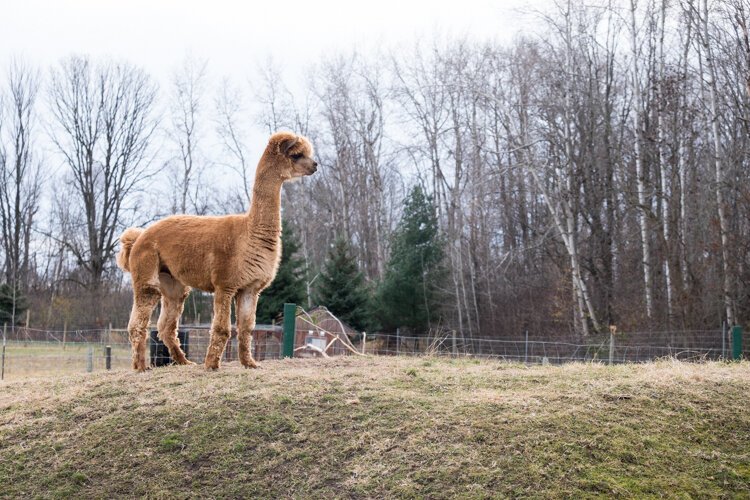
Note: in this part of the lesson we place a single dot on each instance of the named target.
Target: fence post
(526, 350)
(455, 349)
(2, 370)
(364, 342)
(397, 342)
(26, 329)
(736, 342)
(65, 332)
(90, 360)
(108, 357)
(611, 346)
(290, 312)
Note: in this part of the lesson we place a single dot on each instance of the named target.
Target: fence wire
(34, 353)
(623, 348)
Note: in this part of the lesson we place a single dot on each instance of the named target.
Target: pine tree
(342, 288)
(11, 303)
(289, 283)
(408, 294)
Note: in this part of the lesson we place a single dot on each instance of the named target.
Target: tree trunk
(643, 202)
(719, 170)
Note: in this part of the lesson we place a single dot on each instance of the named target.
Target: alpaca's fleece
(234, 256)
(127, 239)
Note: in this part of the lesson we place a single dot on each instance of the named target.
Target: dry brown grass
(375, 427)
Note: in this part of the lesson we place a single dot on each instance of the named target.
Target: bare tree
(232, 133)
(592, 172)
(186, 107)
(701, 16)
(644, 203)
(20, 172)
(103, 126)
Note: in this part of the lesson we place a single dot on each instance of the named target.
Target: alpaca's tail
(127, 239)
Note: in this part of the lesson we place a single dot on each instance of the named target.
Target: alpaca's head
(291, 156)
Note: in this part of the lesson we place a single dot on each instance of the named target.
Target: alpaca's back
(199, 251)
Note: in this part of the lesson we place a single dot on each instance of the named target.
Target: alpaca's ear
(287, 144)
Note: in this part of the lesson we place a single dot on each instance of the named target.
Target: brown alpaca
(233, 256)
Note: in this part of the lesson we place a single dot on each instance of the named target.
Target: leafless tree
(103, 125)
(232, 133)
(20, 172)
(590, 173)
(187, 97)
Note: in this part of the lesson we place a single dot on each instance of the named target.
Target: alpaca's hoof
(211, 366)
(251, 365)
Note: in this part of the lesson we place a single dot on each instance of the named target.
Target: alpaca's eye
(297, 156)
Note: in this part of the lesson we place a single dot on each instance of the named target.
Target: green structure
(290, 315)
(736, 342)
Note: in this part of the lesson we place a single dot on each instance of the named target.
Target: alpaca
(233, 256)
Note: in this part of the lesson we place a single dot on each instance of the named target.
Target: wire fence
(34, 353)
(633, 347)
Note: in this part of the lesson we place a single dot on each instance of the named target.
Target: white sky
(236, 35)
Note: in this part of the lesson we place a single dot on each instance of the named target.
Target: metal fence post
(526, 350)
(290, 312)
(454, 348)
(90, 360)
(2, 370)
(108, 357)
(736, 342)
(723, 340)
(611, 346)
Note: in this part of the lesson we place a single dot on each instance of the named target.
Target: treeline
(593, 173)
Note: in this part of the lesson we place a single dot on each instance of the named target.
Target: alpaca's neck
(265, 207)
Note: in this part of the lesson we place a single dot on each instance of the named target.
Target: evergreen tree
(7, 299)
(407, 296)
(342, 289)
(289, 283)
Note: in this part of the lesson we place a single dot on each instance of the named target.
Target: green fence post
(736, 342)
(290, 315)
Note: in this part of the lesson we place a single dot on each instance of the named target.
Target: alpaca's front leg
(247, 303)
(220, 329)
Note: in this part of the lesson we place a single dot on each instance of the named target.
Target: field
(38, 359)
(381, 427)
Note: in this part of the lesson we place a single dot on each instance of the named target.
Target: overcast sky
(236, 35)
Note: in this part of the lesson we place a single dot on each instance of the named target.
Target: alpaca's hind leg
(247, 302)
(145, 299)
(220, 329)
(173, 295)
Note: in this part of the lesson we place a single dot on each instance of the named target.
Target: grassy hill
(374, 427)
